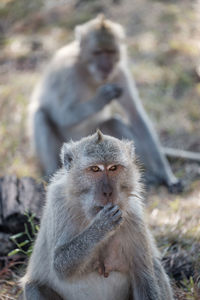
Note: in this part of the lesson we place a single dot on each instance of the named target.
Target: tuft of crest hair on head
(101, 18)
(99, 136)
(102, 21)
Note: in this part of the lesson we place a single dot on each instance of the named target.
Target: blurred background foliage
(163, 38)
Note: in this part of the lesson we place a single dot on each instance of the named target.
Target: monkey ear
(66, 156)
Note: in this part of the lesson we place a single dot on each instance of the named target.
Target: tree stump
(17, 196)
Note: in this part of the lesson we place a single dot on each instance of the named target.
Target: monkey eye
(113, 168)
(95, 169)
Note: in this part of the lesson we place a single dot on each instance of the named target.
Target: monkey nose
(107, 190)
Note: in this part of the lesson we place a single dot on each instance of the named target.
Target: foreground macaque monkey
(74, 98)
(93, 241)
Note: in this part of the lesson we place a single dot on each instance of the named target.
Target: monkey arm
(78, 112)
(145, 287)
(148, 279)
(151, 283)
(63, 106)
(143, 278)
(73, 114)
(70, 257)
(145, 137)
(60, 99)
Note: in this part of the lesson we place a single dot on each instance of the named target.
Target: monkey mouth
(106, 75)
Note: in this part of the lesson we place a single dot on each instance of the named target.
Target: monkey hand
(108, 218)
(108, 92)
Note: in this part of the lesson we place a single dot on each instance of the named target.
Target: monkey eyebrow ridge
(102, 167)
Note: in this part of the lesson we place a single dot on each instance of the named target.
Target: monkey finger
(117, 214)
(109, 206)
(119, 220)
(115, 218)
(117, 211)
(113, 210)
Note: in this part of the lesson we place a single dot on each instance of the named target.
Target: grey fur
(72, 101)
(92, 244)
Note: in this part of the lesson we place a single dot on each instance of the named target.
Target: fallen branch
(182, 154)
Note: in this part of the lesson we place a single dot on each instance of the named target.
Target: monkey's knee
(47, 143)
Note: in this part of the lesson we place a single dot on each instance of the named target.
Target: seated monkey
(94, 242)
(76, 94)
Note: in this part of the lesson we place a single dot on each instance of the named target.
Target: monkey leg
(47, 143)
(151, 284)
(34, 292)
(157, 167)
(163, 281)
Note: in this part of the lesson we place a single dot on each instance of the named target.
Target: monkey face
(101, 170)
(100, 54)
(102, 63)
(100, 43)
(105, 184)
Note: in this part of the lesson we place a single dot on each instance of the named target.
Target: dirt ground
(163, 40)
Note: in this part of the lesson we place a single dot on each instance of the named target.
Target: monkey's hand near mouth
(109, 217)
(108, 92)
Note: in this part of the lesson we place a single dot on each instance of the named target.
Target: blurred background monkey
(94, 242)
(76, 96)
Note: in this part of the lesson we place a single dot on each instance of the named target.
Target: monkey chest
(94, 286)
(105, 277)
(112, 258)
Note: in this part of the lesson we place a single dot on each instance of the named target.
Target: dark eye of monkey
(95, 169)
(113, 168)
